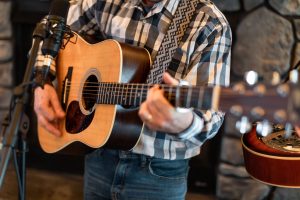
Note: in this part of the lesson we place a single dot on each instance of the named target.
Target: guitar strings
(119, 99)
(133, 93)
(131, 98)
(129, 89)
(133, 86)
(122, 91)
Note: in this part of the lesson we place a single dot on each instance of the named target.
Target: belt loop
(124, 154)
(144, 161)
(121, 154)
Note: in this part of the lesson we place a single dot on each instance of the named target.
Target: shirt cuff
(193, 129)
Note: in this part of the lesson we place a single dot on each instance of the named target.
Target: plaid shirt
(203, 58)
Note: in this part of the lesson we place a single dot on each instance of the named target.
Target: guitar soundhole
(76, 121)
(89, 93)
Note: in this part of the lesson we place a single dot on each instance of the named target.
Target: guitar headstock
(276, 104)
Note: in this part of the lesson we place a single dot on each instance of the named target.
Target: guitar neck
(131, 94)
(272, 103)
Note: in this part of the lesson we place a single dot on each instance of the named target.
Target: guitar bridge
(66, 88)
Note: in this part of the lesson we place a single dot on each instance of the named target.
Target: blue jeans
(122, 175)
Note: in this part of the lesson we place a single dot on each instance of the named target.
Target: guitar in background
(272, 153)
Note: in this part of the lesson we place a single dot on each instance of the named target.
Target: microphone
(52, 28)
(56, 27)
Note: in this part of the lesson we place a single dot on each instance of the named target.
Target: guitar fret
(141, 94)
(126, 94)
(120, 94)
(130, 94)
(138, 95)
(177, 97)
(110, 94)
(188, 101)
(102, 93)
(170, 93)
(200, 97)
(123, 94)
(135, 95)
(194, 96)
(117, 94)
(114, 93)
(106, 93)
(146, 95)
(98, 93)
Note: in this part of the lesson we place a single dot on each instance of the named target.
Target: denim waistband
(125, 154)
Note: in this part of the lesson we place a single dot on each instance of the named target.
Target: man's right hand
(48, 108)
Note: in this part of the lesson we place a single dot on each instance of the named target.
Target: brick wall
(6, 57)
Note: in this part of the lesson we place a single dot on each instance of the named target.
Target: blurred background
(266, 38)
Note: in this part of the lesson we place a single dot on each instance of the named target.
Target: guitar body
(270, 165)
(82, 65)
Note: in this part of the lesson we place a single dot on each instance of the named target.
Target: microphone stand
(16, 125)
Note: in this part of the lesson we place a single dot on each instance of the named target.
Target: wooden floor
(48, 185)
(43, 185)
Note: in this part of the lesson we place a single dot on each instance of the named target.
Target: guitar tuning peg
(244, 125)
(257, 112)
(275, 78)
(239, 88)
(272, 76)
(264, 128)
(294, 76)
(260, 89)
(288, 130)
(283, 90)
(251, 77)
(236, 110)
(280, 116)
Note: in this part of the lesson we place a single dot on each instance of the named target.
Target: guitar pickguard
(76, 121)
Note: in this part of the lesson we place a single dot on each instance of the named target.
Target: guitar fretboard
(131, 94)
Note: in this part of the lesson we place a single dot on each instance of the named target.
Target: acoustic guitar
(100, 87)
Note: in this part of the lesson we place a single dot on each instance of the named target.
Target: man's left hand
(159, 115)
